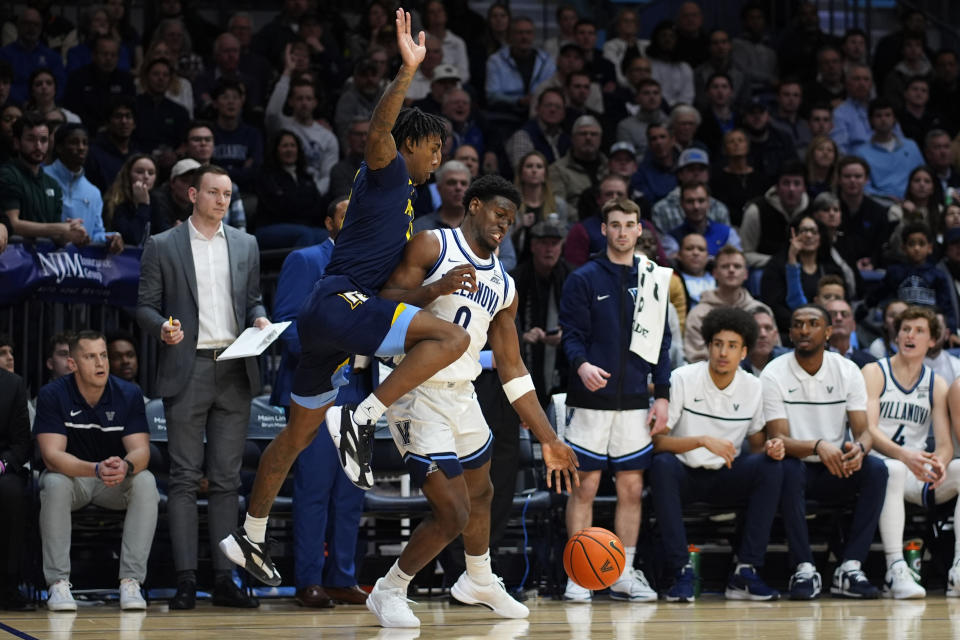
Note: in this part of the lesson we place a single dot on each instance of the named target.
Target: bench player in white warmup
(439, 428)
(904, 398)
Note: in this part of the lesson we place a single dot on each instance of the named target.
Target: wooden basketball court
(711, 617)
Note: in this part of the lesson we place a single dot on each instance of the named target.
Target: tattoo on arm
(381, 147)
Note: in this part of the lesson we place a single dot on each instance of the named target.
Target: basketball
(594, 558)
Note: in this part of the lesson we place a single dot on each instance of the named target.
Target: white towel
(650, 309)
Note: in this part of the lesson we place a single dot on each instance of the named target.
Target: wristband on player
(518, 387)
(96, 471)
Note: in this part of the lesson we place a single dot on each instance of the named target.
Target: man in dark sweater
(89, 86)
(112, 146)
(238, 147)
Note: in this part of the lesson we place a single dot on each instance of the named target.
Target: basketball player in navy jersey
(439, 427)
(343, 316)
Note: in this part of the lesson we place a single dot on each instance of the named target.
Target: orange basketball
(594, 558)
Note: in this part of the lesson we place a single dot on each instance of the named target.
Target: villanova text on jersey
(483, 296)
(904, 411)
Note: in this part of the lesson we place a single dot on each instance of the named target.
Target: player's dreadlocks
(490, 186)
(416, 125)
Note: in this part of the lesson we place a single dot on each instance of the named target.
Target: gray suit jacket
(168, 287)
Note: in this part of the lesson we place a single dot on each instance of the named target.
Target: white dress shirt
(211, 261)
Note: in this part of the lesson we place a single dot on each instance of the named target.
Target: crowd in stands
(771, 171)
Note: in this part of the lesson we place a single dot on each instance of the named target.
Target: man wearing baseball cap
(171, 201)
(770, 148)
(693, 166)
(445, 79)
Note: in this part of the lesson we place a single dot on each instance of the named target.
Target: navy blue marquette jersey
(377, 225)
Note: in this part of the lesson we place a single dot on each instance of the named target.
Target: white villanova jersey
(905, 414)
(471, 310)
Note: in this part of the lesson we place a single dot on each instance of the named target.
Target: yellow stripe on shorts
(396, 312)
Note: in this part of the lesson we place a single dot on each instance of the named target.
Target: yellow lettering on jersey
(353, 298)
(409, 212)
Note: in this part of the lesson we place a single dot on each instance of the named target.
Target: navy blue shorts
(337, 321)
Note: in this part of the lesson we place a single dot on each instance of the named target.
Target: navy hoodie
(596, 314)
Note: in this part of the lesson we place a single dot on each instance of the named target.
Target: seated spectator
(452, 180)
(570, 60)
(826, 209)
(765, 220)
(179, 90)
(30, 199)
(649, 110)
(831, 287)
(173, 33)
(79, 46)
(27, 53)
(945, 86)
(171, 201)
(916, 118)
(113, 145)
(891, 156)
(89, 460)
(15, 452)
(623, 101)
(684, 122)
(786, 117)
(693, 167)
(454, 48)
(701, 453)
(226, 68)
(198, 145)
(736, 182)
(692, 260)
(800, 42)
(791, 277)
(8, 115)
(426, 73)
(122, 353)
(539, 204)
(81, 200)
(89, 87)
(886, 344)
(446, 80)
(127, 205)
(913, 64)
(319, 145)
(118, 17)
(467, 154)
(692, 41)
(43, 94)
(238, 147)
(287, 197)
(539, 280)
(753, 51)
(865, 227)
(583, 165)
(851, 118)
(577, 89)
(586, 238)
(674, 75)
(729, 272)
(809, 398)
(767, 346)
(625, 46)
(456, 106)
(508, 91)
(566, 20)
(828, 88)
(720, 61)
(58, 355)
(939, 155)
(272, 39)
(161, 123)
(943, 363)
(950, 265)
(922, 202)
(357, 100)
(853, 46)
(820, 120)
(543, 133)
(770, 148)
(843, 338)
(717, 115)
(343, 173)
(695, 203)
(600, 70)
(916, 280)
(656, 175)
(821, 161)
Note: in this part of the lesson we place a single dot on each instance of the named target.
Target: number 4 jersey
(472, 310)
(905, 413)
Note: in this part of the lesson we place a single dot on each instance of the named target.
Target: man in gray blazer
(199, 289)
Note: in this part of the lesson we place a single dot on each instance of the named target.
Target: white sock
(478, 568)
(396, 578)
(369, 410)
(850, 565)
(741, 565)
(256, 528)
(893, 515)
(630, 553)
(893, 557)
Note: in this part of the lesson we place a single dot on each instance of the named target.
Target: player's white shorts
(918, 493)
(602, 438)
(439, 426)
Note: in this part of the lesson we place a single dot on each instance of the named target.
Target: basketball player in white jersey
(904, 398)
(439, 427)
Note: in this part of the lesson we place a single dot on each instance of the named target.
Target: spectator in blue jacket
(655, 177)
(324, 499)
(27, 54)
(890, 155)
(514, 70)
(81, 200)
(609, 426)
(695, 203)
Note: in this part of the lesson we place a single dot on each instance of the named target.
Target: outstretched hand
(411, 52)
(561, 463)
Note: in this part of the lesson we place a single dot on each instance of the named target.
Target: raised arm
(560, 460)
(381, 147)
(419, 257)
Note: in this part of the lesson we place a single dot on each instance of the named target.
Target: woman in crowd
(539, 202)
(922, 202)
(737, 182)
(826, 209)
(287, 198)
(791, 277)
(821, 161)
(127, 207)
(42, 87)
